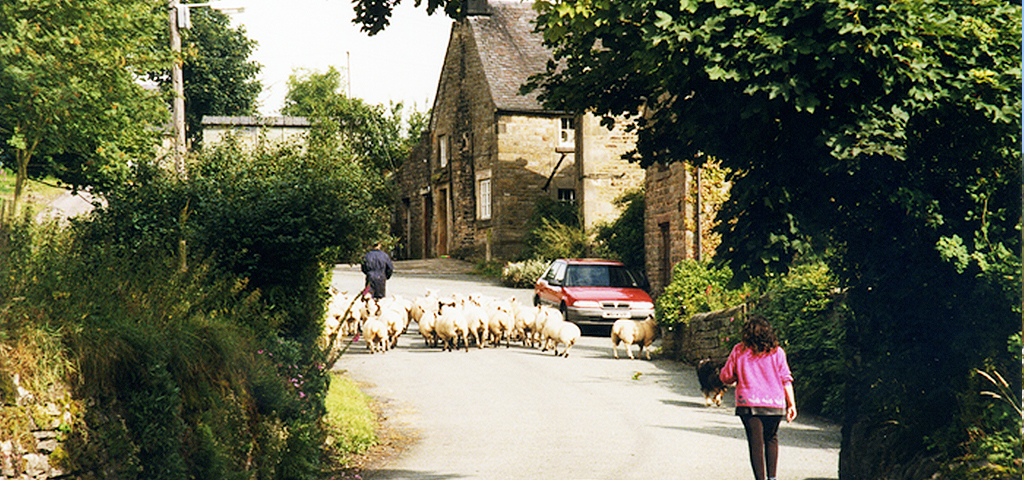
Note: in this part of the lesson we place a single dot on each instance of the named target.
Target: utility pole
(178, 85)
(178, 19)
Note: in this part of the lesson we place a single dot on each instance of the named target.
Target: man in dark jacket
(378, 269)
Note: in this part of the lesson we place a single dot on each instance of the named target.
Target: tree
(374, 16)
(375, 135)
(219, 80)
(883, 137)
(69, 100)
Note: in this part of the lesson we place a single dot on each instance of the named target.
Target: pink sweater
(760, 379)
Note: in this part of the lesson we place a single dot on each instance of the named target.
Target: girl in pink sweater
(764, 392)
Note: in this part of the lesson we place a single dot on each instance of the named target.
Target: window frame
(566, 134)
(484, 199)
(442, 150)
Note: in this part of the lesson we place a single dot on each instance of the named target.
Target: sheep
(394, 319)
(451, 326)
(525, 327)
(426, 325)
(476, 322)
(500, 324)
(376, 334)
(566, 333)
(631, 332)
(545, 315)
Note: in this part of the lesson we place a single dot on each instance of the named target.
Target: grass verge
(350, 418)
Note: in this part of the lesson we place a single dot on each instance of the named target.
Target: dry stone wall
(706, 335)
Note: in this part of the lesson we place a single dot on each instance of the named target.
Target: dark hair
(758, 335)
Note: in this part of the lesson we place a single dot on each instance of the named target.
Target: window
(567, 133)
(442, 150)
(567, 195)
(484, 192)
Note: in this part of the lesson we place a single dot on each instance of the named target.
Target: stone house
(490, 154)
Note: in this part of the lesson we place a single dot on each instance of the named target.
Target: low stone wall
(706, 335)
(20, 463)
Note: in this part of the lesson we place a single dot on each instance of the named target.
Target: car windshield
(599, 276)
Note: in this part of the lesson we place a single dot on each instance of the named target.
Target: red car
(592, 291)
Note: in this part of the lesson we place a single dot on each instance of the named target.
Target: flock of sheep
(457, 321)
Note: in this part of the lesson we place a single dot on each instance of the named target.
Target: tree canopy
(69, 99)
(219, 78)
(373, 134)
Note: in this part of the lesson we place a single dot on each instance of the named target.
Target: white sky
(401, 64)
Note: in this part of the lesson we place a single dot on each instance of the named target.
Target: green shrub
(547, 211)
(212, 371)
(523, 274)
(806, 309)
(696, 287)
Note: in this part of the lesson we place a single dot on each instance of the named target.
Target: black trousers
(763, 441)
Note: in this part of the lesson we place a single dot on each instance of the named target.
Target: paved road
(518, 413)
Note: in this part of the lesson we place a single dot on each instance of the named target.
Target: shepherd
(378, 268)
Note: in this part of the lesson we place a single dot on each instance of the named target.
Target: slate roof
(510, 52)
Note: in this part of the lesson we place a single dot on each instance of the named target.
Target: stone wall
(410, 216)
(668, 221)
(604, 175)
(30, 431)
(706, 335)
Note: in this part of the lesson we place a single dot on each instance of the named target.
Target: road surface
(518, 413)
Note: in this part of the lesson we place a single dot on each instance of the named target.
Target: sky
(401, 64)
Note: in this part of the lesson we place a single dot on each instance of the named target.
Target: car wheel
(565, 311)
(536, 300)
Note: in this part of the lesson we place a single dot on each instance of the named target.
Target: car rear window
(599, 276)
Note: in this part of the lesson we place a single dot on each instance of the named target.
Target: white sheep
(526, 319)
(500, 324)
(566, 333)
(633, 332)
(426, 325)
(394, 319)
(476, 321)
(375, 332)
(451, 326)
(545, 315)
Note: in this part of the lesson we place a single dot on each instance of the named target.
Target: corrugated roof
(510, 52)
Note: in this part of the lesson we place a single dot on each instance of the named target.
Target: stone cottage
(490, 154)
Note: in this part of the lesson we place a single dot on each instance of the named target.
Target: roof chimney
(477, 7)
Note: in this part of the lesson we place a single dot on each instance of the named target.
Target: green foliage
(491, 269)
(351, 420)
(557, 240)
(696, 287)
(373, 16)
(624, 237)
(548, 213)
(523, 274)
(374, 134)
(806, 309)
(69, 100)
(209, 372)
(218, 77)
(882, 138)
